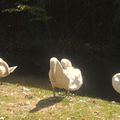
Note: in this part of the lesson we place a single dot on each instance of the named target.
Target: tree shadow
(96, 82)
(110, 95)
(28, 81)
(46, 103)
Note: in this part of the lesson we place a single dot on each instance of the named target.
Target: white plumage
(5, 70)
(74, 74)
(116, 82)
(66, 76)
(66, 63)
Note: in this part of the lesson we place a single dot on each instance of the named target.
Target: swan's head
(66, 63)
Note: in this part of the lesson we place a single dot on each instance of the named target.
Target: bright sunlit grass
(19, 102)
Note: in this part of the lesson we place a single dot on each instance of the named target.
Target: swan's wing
(3, 68)
(72, 73)
(75, 78)
(116, 82)
(2, 71)
(3, 62)
(69, 73)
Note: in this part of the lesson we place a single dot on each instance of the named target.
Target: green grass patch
(28, 102)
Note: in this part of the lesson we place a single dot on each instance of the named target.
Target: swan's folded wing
(116, 82)
(75, 78)
(69, 74)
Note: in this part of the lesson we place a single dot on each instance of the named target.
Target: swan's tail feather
(12, 68)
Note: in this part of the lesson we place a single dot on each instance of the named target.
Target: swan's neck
(53, 68)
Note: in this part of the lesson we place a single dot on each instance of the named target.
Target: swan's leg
(1, 82)
(53, 91)
(67, 93)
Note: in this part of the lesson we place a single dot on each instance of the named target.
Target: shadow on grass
(89, 88)
(100, 93)
(46, 103)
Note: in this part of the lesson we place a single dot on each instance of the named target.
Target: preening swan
(116, 82)
(67, 79)
(5, 70)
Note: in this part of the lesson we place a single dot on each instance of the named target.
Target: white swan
(63, 78)
(5, 70)
(116, 82)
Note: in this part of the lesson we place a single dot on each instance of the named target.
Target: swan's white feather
(5, 70)
(116, 82)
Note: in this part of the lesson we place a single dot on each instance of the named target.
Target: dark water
(98, 78)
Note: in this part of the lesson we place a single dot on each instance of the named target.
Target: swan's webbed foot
(1, 83)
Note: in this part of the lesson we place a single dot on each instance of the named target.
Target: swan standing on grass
(63, 78)
(116, 82)
(5, 70)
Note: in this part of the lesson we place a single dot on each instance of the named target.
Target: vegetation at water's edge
(83, 27)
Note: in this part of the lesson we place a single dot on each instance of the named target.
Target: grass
(22, 101)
